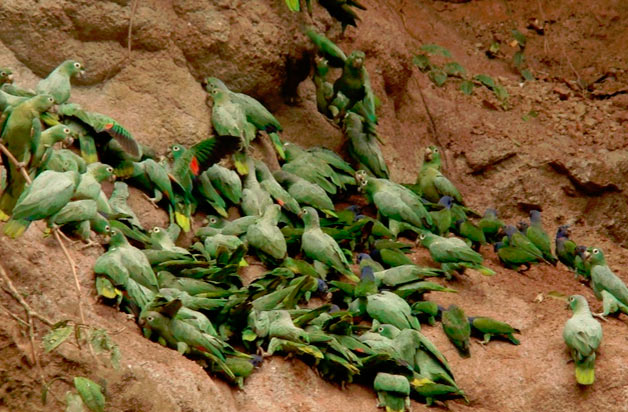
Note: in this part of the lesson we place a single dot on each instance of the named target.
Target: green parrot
(342, 10)
(255, 113)
(539, 237)
(219, 243)
(97, 130)
(152, 177)
(490, 225)
(468, 230)
(18, 134)
(393, 392)
(315, 167)
(457, 328)
(391, 257)
(8, 100)
(305, 192)
(47, 195)
(453, 250)
(387, 307)
(603, 278)
(235, 227)
(265, 236)
(161, 240)
(57, 84)
(6, 75)
(442, 219)
(364, 260)
(565, 247)
(432, 183)
(194, 302)
(522, 245)
(255, 200)
(282, 327)
(417, 290)
(44, 147)
(229, 119)
(64, 160)
(327, 48)
(427, 310)
(402, 274)
(319, 246)
(354, 83)
(123, 261)
(324, 89)
(393, 200)
(184, 337)
(227, 182)
(268, 183)
(192, 286)
(513, 257)
(430, 390)
(488, 328)
(583, 335)
(119, 206)
(363, 147)
(75, 211)
(210, 194)
(90, 185)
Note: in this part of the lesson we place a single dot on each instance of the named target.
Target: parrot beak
(300, 215)
(586, 255)
(10, 78)
(69, 141)
(112, 178)
(81, 74)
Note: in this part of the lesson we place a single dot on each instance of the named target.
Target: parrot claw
(88, 244)
(151, 200)
(601, 316)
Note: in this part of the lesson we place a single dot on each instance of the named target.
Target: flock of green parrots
(352, 327)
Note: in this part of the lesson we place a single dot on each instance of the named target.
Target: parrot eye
(107, 228)
(66, 131)
(3, 74)
(175, 149)
(435, 150)
(212, 220)
(110, 169)
(156, 230)
(363, 182)
(304, 212)
(380, 329)
(596, 251)
(51, 100)
(571, 299)
(150, 318)
(421, 236)
(77, 65)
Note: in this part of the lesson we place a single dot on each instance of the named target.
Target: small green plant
(518, 59)
(440, 73)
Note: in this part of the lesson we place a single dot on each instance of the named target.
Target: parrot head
(563, 232)
(431, 153)
(42, 102)
(367, 274)
(535, 216)
(6, 76)
(446, 202)
(523, 226)
(211, 83)
(576, 302)
(356, 59)
(309, 216)
(362, 256)
(595, 256)
(490, 212)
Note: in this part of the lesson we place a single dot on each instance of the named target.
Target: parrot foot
(88, 244)
(151, 200)
(601, 316)
(261, 352)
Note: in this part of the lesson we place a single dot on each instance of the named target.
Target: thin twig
(133, 11)
(16, 295)
(29, 320)
(17, 164)
(14, 316)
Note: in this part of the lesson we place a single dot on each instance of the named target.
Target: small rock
(490, 153)
(562, 92)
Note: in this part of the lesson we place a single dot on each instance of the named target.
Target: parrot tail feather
(239, 159)
(329, 212)
(183, 221)
(485, 271)
(15, 228)
(277, 143)
(585, 374)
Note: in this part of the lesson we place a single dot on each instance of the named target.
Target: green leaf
(518, 59)
(494, 47)
(435, 49)
(521, 39)
(91, 393)
(56, 337)
(501, 92)
(437, 76)
(527, 74)
(73, 402)
(454, 69)
(101, 342)
(293, 5)
(485, 80)
(466, 86)
(532, 114)
(422, 62)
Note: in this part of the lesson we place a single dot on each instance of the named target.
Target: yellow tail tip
(243, 263)
(15, 228)
(585, 376)
(3, 216)
(183, 221)
(242, 168)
